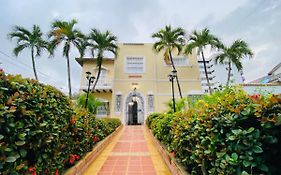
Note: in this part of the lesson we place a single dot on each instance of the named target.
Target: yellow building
(136, 83)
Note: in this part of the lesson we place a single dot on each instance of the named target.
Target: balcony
(208, 71)
(103, 85)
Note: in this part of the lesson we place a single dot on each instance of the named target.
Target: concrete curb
(171, 163)
(83, 164)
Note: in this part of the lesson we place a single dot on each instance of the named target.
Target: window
(179, 61)
(150, 103)
(118, 103)
(102, 110)
(134, 65)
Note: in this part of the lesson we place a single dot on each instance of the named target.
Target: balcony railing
(102, 85)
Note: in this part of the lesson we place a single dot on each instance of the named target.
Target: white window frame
(131, 72)
(119, 94)
(101, 115)
(182, 65)
(150, 109)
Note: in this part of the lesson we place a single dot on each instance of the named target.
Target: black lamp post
(171, 79)
(90, 81)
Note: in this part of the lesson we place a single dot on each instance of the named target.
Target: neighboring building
(136, 83)
(271, 83)
(273, 76)
(217, 73)
(210, 72)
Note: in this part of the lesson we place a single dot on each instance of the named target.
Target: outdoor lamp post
(171, 79)
(90, 81)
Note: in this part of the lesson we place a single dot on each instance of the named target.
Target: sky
(255, 21)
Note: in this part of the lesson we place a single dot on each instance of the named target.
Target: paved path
(131, 152)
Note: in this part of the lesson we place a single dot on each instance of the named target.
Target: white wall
(263, 89)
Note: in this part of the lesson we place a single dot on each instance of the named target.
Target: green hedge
(40, 129)
(229, 132)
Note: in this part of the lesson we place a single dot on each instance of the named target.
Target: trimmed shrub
(150, 119)
(233, 133)
(40, 129)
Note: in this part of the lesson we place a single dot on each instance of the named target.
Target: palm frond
(103, 41)
(22, 30)
(188, 49)
(220, 58)
(168, 38)
(19, 48)
(92, 103)
(66, 49)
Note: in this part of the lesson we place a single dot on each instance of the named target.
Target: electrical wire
(28, 68)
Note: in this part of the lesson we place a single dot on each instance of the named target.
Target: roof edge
(81, 60)
(260, 84)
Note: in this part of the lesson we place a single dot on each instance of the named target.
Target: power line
(30, 69)
(47, 78)
(19, 62)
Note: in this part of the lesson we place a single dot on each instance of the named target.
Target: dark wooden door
(135, 113)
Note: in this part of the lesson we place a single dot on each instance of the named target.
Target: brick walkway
(131, 152)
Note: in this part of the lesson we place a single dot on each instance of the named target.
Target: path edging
(83, 164)
(171, 163)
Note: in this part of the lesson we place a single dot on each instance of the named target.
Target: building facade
(136, 83)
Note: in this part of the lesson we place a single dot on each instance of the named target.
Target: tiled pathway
(131, 152)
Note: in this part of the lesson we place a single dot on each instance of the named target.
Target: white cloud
(133, 21)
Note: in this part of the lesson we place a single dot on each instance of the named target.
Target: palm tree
(102, 42)
(233, 54)
(168, 40)
(32, 40)
(92, 104)
(64, 32)
(200, 40)
(180, 104)
(82, 44)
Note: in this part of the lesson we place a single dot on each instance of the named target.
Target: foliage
(233, 55)
(170, 40)
(40, 130)
(92, 104)
(150, 119)
(181, 105)
(192, 99)
(200, 40)
(65, 32)
(106, 126)
(228, 132)
(32, 40)
(102, 42)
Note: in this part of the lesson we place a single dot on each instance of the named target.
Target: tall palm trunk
(206, 73)
(174, 68)
(68, 74)
(98, 75)
(229, 71)
(33, 63)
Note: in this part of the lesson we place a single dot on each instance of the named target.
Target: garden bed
(83, 164)
(170, 161)
(229, 132)
(42, 131)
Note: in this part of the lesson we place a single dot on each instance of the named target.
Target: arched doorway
(134, 106)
